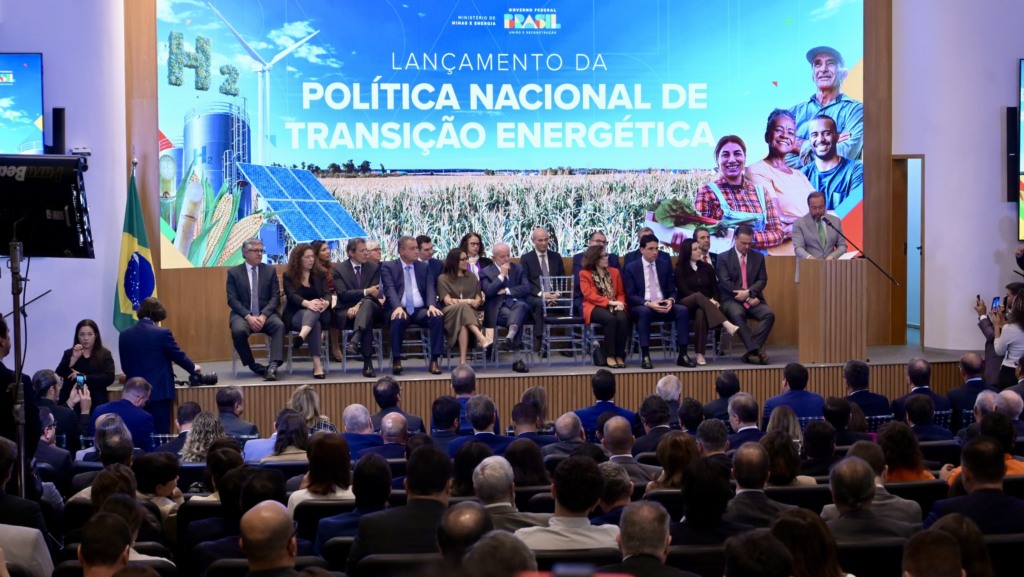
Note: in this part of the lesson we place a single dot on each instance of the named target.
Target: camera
(197, 379)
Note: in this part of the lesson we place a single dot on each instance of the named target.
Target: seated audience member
(837, 412)
(932, 554)
(784, 461)
(750, 506)
(713, 442)
(371, 485)
(527, 464)
(602, 385)
(15, 510)
(677, 451)
(307, 403)
(359, 429)
(106, 425)
(669, 388)
(537, 396)
(795, 395)
(414, 304)
(962, 398)
(810, 543)
(394, 433)
(411, 528)
(526, 421)
(984, 462)
(570, 435)
(134, 515)
(785, 420)
(444, 414)
(329, 476)
(903, 458)
(47, 385)
(974, 556)
(705, 501)
(618, 442)
(644, 541)
(106, 540)
(614, 496)
(292, 440)
(268, 540)
(218, 463)
(256, 449)
(743, 420)
(26, 548)
(482, 415)
(853, 489)
(130, 408)
(591, 451)
(358, 306)
(112, 480)
(48, 452)
(691, 415)
(576, 488)
(885, 505)
(493, 484)
(653, 417)
(462, 525)
(183, 419)
(156, 477)
(727, 384)
(206, 428)
(465, 461)
(115, 450)
(984, 404)
(757, 553)
(226, 524)
(819, 445)
(604, 305)
(919, 376)
(857, 376)
(507, 293)
(230, 406)
(1010, 404)
(920, 412)
(387, 393)
(498, 554)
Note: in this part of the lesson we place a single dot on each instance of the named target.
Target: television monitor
(21, 103)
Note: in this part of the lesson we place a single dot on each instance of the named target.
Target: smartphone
(80, 382)
(995, 303)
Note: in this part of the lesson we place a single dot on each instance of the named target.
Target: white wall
(83, 71)
(955, 68)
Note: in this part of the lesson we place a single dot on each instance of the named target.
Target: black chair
(878, 557)
(1004, 550)
(288, 468)
(78, 467)
(943, 418)
(1014, 486)
(397, 564)
(523, 494)
(812, 498)
(841, 450)
(397, 498)
(804, 421)
(239, 567)
(670, 499)
(81, 481)
(153, 549)
(648, 458)
(704, 560)
(190, 473)
(397, 467)
(307, 514)
(876, 422)
(18, 570)
(546, 560)
(76, 513)
(541, 503)
(293, 484)
(923, 492)
(193, 510)
(941, 452)
(966, 417)
(74, 568)
(335, 551)
(551, 462)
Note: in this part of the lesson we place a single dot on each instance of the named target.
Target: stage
(567, 383)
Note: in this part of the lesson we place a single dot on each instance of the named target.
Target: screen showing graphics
(21, 103)
(450, 116)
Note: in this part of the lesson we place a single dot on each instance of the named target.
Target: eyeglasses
(464, 259)
(473, 244)
(256, 250)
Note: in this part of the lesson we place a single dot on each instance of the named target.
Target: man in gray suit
(885, 505)
(618, 441)
(357, 283)
(493, 485)
(750, 506)
(816, 234)
(254, 295)
(741, 280)
(853, 490)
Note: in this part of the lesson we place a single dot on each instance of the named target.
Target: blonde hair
(306, 402)
(206, 428)
(784, 419)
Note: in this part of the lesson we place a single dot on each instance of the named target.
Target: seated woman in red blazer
(604, 303)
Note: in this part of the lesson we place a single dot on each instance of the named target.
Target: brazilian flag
(135, 278)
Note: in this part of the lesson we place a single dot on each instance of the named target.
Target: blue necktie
(408, 288)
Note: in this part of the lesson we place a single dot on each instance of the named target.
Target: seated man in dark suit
(47, 389)
(411, 528)
(357, 283)
(857, 377)
(499, 554)
(570, 435)
(462, 525)
(837, 412)
(743, 420)
(425, 246)
(742, 278)
(444, 414)
(644, 542)
(691, 415)
(602, 384)
(795, 395)
(919, 375)
(1010, 404)
(920, 412)
(885, 505)
(394, 433)
(481, 412)
(15, 510)
(388, 395)
(713, 442)
(727, 384)
(853, 490)
(230, 406)
(48, 452)
(986, 504)
(819, 446)
(615, 495)
(411, 293)
(751, 506)
(705, 501)
(670, 389)
(493, 485)
(635, 255)
(537, 263)
(225, 524)
(508, 297)
(757, 553)
(597, 238)
(962, 398)
(984, 404)
(371, 483)
(106, 545)
(654, 419)
(186, 413)
(525, 423)
(268, 540)
(129, 408)
(254, 295)
(998, 427)
(618, 443)
(359, 429)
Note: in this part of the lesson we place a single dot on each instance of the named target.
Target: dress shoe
(763, 357)
(258, 369)
(271, 373)
(520, 367)
(352, 349)
(751, 358)
(435, 368)
(335, 358)
(505, 345)
(684, 360)
(297, 342)
(396, 368)
(368, 372)
(320, 376)
(646, 363)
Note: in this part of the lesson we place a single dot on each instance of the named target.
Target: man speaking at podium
(816, 234)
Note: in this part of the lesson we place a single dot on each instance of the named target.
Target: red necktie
(743, 276)
(707, 259)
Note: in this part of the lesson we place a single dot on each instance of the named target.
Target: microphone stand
(17, 390)
(860, 250)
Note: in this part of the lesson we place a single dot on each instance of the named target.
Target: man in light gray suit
(885, 504)
(618, 441)
(493, 485)
(813, 237)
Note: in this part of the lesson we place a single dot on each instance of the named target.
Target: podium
(832, 305)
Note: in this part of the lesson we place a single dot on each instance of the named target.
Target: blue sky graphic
(21, 101)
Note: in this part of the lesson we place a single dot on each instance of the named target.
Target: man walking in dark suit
(357, 282)
(857, 376)
(254, 295)
(650, 294)
(411, 293)
(507, 293)
(537, 263)
(741, 279)
(597, 238)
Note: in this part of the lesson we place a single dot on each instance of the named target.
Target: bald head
(618, 436)
(568, 427)
(394, 428)
(971, 365)
(268, 536)
(462, 525)
(750, 466)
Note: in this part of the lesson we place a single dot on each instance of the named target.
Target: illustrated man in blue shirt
(828, 70)
(840, 179)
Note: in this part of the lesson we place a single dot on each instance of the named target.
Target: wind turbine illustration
(262, 68)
